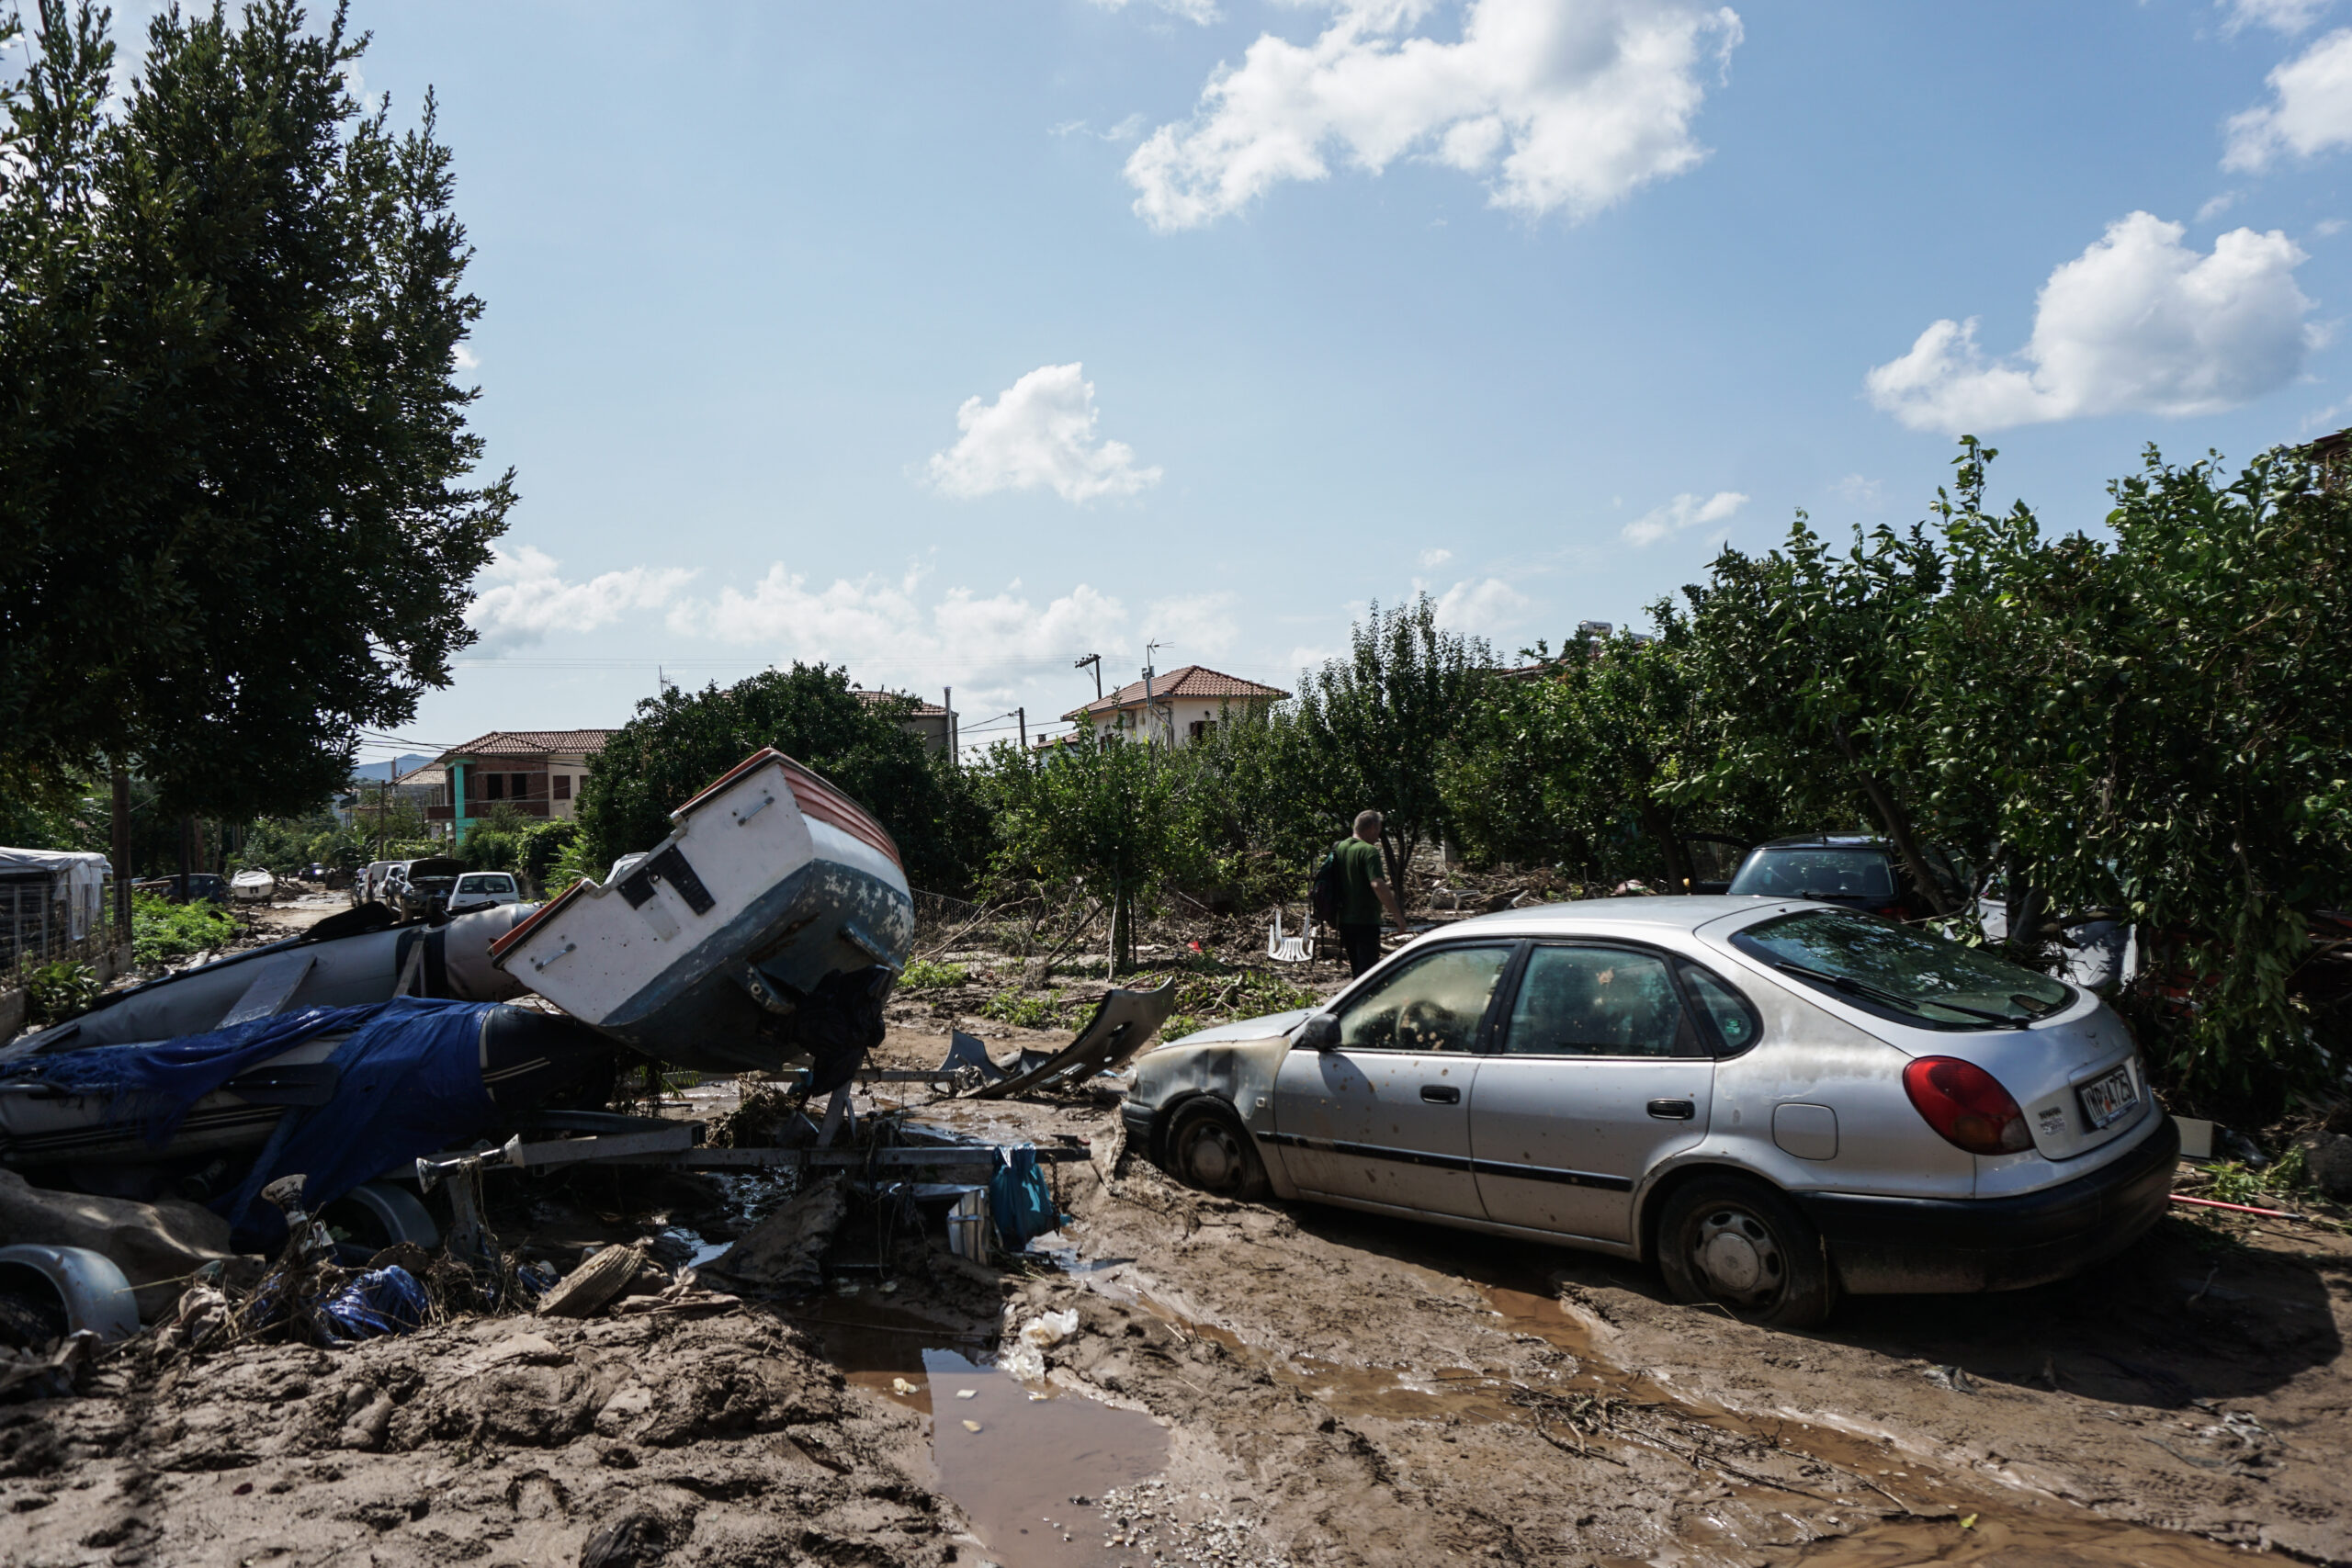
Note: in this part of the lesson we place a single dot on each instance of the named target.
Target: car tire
(1210, 1150)
(1742, 1245)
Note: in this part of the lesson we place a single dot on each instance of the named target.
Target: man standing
(1363, 893)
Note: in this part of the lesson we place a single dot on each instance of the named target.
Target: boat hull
(763, 931)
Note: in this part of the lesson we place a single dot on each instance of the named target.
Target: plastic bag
(382, 1300)
(1019, 1200)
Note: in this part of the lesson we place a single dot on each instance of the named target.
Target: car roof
(1827, 840)
(1630, 916)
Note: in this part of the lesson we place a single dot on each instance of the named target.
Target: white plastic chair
(1287, 949)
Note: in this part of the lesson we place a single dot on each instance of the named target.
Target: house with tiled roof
(533, 772)
(1175, 707)
(931, 723)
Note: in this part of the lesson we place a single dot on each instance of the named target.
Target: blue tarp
(1020, 1200)
(410, 1084)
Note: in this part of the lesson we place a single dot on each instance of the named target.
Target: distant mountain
(386, 771)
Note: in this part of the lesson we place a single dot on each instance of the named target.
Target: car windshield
(1816, 873)
(1896, 969)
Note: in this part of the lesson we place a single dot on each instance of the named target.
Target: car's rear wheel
(1742, 1245)
(1209, 1148)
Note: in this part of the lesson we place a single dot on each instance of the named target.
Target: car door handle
(1673, 1110)
(1440, 1094)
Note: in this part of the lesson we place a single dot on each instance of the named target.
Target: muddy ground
(1261, 1385)
(1257, 1384)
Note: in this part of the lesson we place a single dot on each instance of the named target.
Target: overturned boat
(256, 886)
(770, 925)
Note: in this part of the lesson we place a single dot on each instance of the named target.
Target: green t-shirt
(1360, 867)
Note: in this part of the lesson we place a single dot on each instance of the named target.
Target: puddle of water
(1015, 1477)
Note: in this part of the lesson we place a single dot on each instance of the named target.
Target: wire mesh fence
(37, 928)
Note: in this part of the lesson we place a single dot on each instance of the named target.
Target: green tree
(1813, 661)
(1111, 813)
(233, 469)
(680, 741)
(1367, 730)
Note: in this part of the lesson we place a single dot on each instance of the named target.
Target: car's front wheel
(1209, 1148)
(1741, 1244)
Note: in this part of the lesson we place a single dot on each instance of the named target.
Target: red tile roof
(529, 743)
(1191, 682)
(921, 709)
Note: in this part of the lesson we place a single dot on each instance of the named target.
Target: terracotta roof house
(1183, 704)
(933, 724)
(533, 772)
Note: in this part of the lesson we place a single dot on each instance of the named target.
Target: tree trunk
(122, 867)
(1658, 823)
(188, 852)
(1898, 825)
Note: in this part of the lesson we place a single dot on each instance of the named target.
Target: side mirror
(1320, 1032)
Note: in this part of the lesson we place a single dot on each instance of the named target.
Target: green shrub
(162, 930)
(1011, 1006)
(923, 974)
(55, 992)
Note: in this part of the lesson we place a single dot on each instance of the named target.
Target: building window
(493, 786)
(1201, 727)
(562, 782)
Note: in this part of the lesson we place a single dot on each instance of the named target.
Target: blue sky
(1530, 303)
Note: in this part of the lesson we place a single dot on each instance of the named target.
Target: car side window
(1735, 1022)
(1435, 1003)
(1594, 1001)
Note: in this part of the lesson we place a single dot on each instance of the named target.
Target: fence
(37, 928)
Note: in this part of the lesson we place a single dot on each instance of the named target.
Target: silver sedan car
(1776, 1100)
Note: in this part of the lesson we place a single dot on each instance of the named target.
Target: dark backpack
(1329, 888)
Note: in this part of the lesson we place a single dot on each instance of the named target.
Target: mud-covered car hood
(1245, 1029)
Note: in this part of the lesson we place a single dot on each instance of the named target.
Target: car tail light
(1966, 1106)
(1893, 911)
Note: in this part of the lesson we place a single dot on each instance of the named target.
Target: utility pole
(1150, 704)
(1095, 660)
(947, 701)
(1022, 716)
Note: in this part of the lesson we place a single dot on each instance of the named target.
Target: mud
(1267, 1385)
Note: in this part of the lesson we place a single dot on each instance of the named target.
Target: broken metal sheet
(1122, 1026)
(273, 984)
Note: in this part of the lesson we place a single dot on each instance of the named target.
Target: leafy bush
(1015, 1007)
(162, 930)
(55, 992)
(923, 974)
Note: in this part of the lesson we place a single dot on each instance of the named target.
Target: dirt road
(1248, 1385)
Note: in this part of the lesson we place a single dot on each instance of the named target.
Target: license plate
(2109, 1098)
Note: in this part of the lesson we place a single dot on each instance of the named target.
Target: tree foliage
(1113, 815)
(680, 741)
(233, 462)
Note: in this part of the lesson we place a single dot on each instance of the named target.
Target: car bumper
(1138, 1120)
(1883, 1245)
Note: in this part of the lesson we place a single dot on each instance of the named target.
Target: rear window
(1901, 973)
(1817, 873)
(485, 885)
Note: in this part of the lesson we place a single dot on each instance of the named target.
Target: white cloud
(464, 357)
(1856, 491)
(1432, 559)
(1682, 513)
(1127, 130)
(2310, 110)
(527, 597)
(2138, 323)
(895, 632)
(1568, 105)
(2289, 17)
(2216, 206)
(1200, 11)
(1486, 608)
(1039, 433)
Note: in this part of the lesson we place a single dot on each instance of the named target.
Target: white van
(484, 890)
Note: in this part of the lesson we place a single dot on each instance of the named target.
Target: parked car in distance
(1858, 871)
(484, 890)
(422, 888)
(200, 884)
(1776, 1100)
